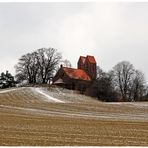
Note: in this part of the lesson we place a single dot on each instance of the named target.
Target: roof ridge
(89, 56)
(83, 56)
(70, 68)
(91, 59)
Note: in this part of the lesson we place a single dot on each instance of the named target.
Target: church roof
(76, 74)
(91, 59)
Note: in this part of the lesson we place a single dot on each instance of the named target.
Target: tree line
(122, 83)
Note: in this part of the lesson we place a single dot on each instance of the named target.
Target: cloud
(90, 30)
(112, 32)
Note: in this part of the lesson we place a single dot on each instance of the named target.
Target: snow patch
(8, 90)
(133, 104)
(45, 93)
(114, 116)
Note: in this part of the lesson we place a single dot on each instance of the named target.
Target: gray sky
(112, 32)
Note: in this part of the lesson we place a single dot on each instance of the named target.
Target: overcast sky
(112, 32)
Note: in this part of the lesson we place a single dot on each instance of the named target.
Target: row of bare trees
(128, 81)
(122, 83)
(38, 66)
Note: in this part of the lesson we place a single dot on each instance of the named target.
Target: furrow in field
(78, 114)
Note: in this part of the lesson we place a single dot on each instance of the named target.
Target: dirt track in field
(29, 117)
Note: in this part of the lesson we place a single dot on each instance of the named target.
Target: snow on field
(104, 110)
(140, 104)
(42, 91)
(46, 95)
(9, 90)
(134, 104)
(71, 96)
(83, 114)
(82, 111)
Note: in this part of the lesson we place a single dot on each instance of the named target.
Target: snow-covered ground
(40, 91)
(75, 105)
(45, 94)
(9, 90)
(71, 96)
(62, 113)
(32, 113)
(133, 104)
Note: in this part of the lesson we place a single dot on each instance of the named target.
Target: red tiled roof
(91, 59)
(76, 73)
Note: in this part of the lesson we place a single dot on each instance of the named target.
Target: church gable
(91, 59)
(81, 62)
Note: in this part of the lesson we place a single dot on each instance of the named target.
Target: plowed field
(47, 117)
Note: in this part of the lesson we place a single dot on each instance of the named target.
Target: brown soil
(27, 120)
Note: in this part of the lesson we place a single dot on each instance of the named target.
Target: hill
(54, 116)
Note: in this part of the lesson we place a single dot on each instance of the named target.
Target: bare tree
(23, 68)
(48, 60)
(39, 65)
(138, 86)
(102, 87)
(66, 63)
(123, 74)
(27, 68)
(100, 72)
(34, 67)
(128, 81)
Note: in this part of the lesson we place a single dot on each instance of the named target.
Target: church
(77, 79)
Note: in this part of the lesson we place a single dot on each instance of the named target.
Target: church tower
(88, 64)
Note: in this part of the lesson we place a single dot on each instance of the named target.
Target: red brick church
(77, 79)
